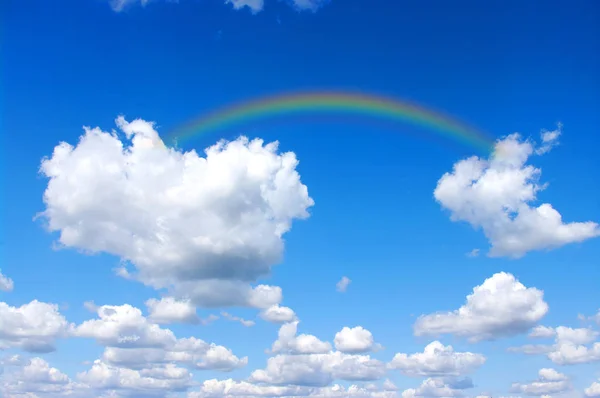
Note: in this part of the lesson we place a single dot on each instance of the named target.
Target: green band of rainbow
(335, 102)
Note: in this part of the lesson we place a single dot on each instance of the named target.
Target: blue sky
(124, 252)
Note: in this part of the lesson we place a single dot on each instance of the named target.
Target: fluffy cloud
(170, 310)
(33, 327)
(308, 5)
(437, 360)
(354, 340)
(343, 284)
(569, 348)
(549, 140)
(291, 343)
(134, 342)
(203, 227)
(549, 382)
(254, 5)
(495, 195)
(501, 306)
(439, 387)
(6, 284)
(35, 377)
(318, 369)
(231, 388)
(278, 314)
(593, 390)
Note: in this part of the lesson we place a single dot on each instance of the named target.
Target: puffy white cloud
(495, 195)
(243, 321)
(501, 306)
(354, 340)
(343, 284)
(437, 360)
(231, 388)
(124, 326)
(35, 377)
(6, 284)
(569, 348)
(289, 342)
(170, 310)
(155, 381)
(439, 387)
(549, 382)
(254, 5)
(33, 327)
(203, 227)
(318, 369)
(593, 390)
(278, 314)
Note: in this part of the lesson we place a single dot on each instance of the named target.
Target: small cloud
(255, 6)
(473, 253)
(245, 322)
(307, 5)
(6, 284)
(90, 306)
(342, 285)
(549, 140)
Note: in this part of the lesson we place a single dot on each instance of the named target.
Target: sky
(307, 255)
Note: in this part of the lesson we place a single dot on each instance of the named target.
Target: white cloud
(495, 195)
(33, 327)
(354, 340)
(542, 332)
(35, 377)
(593, 390)
(342, 285)
(437, 387)
(549, 382)
(170, 310)
(6, 284)
(549, 140)
(569, 348)
(254, 5)
(473, 253)
(278, 314)
(289, 342)
(153, 381)
(437, 360)
(120, 5)
(203, 227)
(501, 306)
(318, 369)
(244, 322)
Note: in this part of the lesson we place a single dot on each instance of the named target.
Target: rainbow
(334, 102)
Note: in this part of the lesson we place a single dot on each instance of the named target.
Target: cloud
(437, 360)
(542, 332)
(549, 382)
(569, 348)
(473, 253)
(549, 140)
(289, 342)
(495, 195)
(6, 284)
(134, 342)
(307, 5)
(244, 322)
(318, 369)
(439, 387)
(203, 227)
(169, 310)
(593, 390)
(342, 285)
(254, 5)
(32, 327)
(354, 340)
(500, 307)
(278, 314)
(38, 377)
